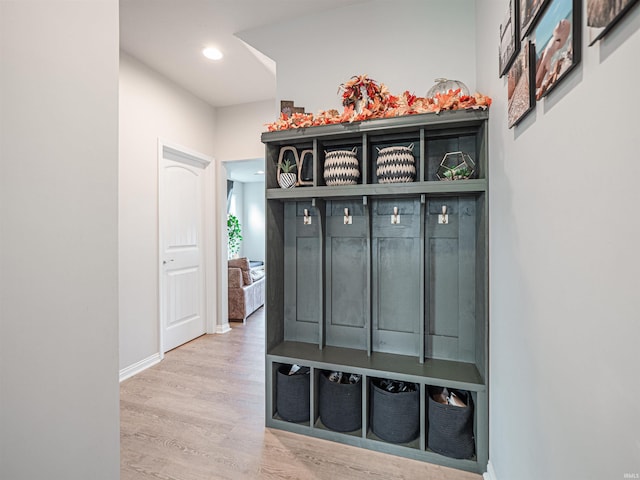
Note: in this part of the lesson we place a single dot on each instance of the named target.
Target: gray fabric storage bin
(292, 395)
(451, 428)
(395, 417)
(340, 404)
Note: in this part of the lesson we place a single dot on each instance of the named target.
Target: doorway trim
(182, 154)
(222, 250)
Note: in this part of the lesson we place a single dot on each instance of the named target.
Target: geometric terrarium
(456, 166)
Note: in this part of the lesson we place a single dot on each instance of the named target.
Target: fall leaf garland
(378, 102)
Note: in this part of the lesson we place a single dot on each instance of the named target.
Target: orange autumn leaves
(380, 103)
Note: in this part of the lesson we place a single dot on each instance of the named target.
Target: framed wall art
(558, 44)
(530, 10)
(509, 38)
(520, 85)
(287, 107)
(602, 15)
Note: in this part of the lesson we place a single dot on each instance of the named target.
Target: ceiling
(169, 35)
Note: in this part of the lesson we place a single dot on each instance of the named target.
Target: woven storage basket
(292, 395)
(396, 164)
(395, 417)
(341, 167)
(340, 405)
(450, 427)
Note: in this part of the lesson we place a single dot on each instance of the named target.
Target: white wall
(150, 107)
(59, 395)
(405, 44)
(238, 129)
(565, 321)
(237, 138)
(253, 226)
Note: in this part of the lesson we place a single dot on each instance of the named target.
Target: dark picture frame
(509, 38)
(287, 107)
(521, 85)
(558, 39)
(603, 15)
(530, 11)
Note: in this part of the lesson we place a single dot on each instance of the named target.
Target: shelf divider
(320, 207)
(317, 168)
(367, 168)
(422, 158)
(369, 297)
(421, 313)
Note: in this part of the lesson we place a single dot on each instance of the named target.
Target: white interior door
(182, 283)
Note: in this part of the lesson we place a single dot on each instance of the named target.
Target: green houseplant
(234, 234)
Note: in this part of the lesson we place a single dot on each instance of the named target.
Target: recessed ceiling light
(259, 172)
(212, 53)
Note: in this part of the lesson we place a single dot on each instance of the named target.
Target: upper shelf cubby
(428, 137)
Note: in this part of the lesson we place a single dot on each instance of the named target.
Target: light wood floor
(199, 414)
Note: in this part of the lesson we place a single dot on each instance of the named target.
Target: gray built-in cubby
(405, 300)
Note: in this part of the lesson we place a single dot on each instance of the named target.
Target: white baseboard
(137, 367)
(224, 328)
(490, 473)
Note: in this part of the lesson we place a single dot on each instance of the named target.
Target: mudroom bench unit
(377, 286)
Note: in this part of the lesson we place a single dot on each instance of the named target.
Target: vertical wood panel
(274, 274)
(319, 208)
(482, 297)
(396, 292)
(397, 285)
(422, 263)
(307, 271)
(451, 286)
(346, 285)
(467, 279)
(289, 272)
(301, 274)
(368, 273)
(444, 286)
(348, 276)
